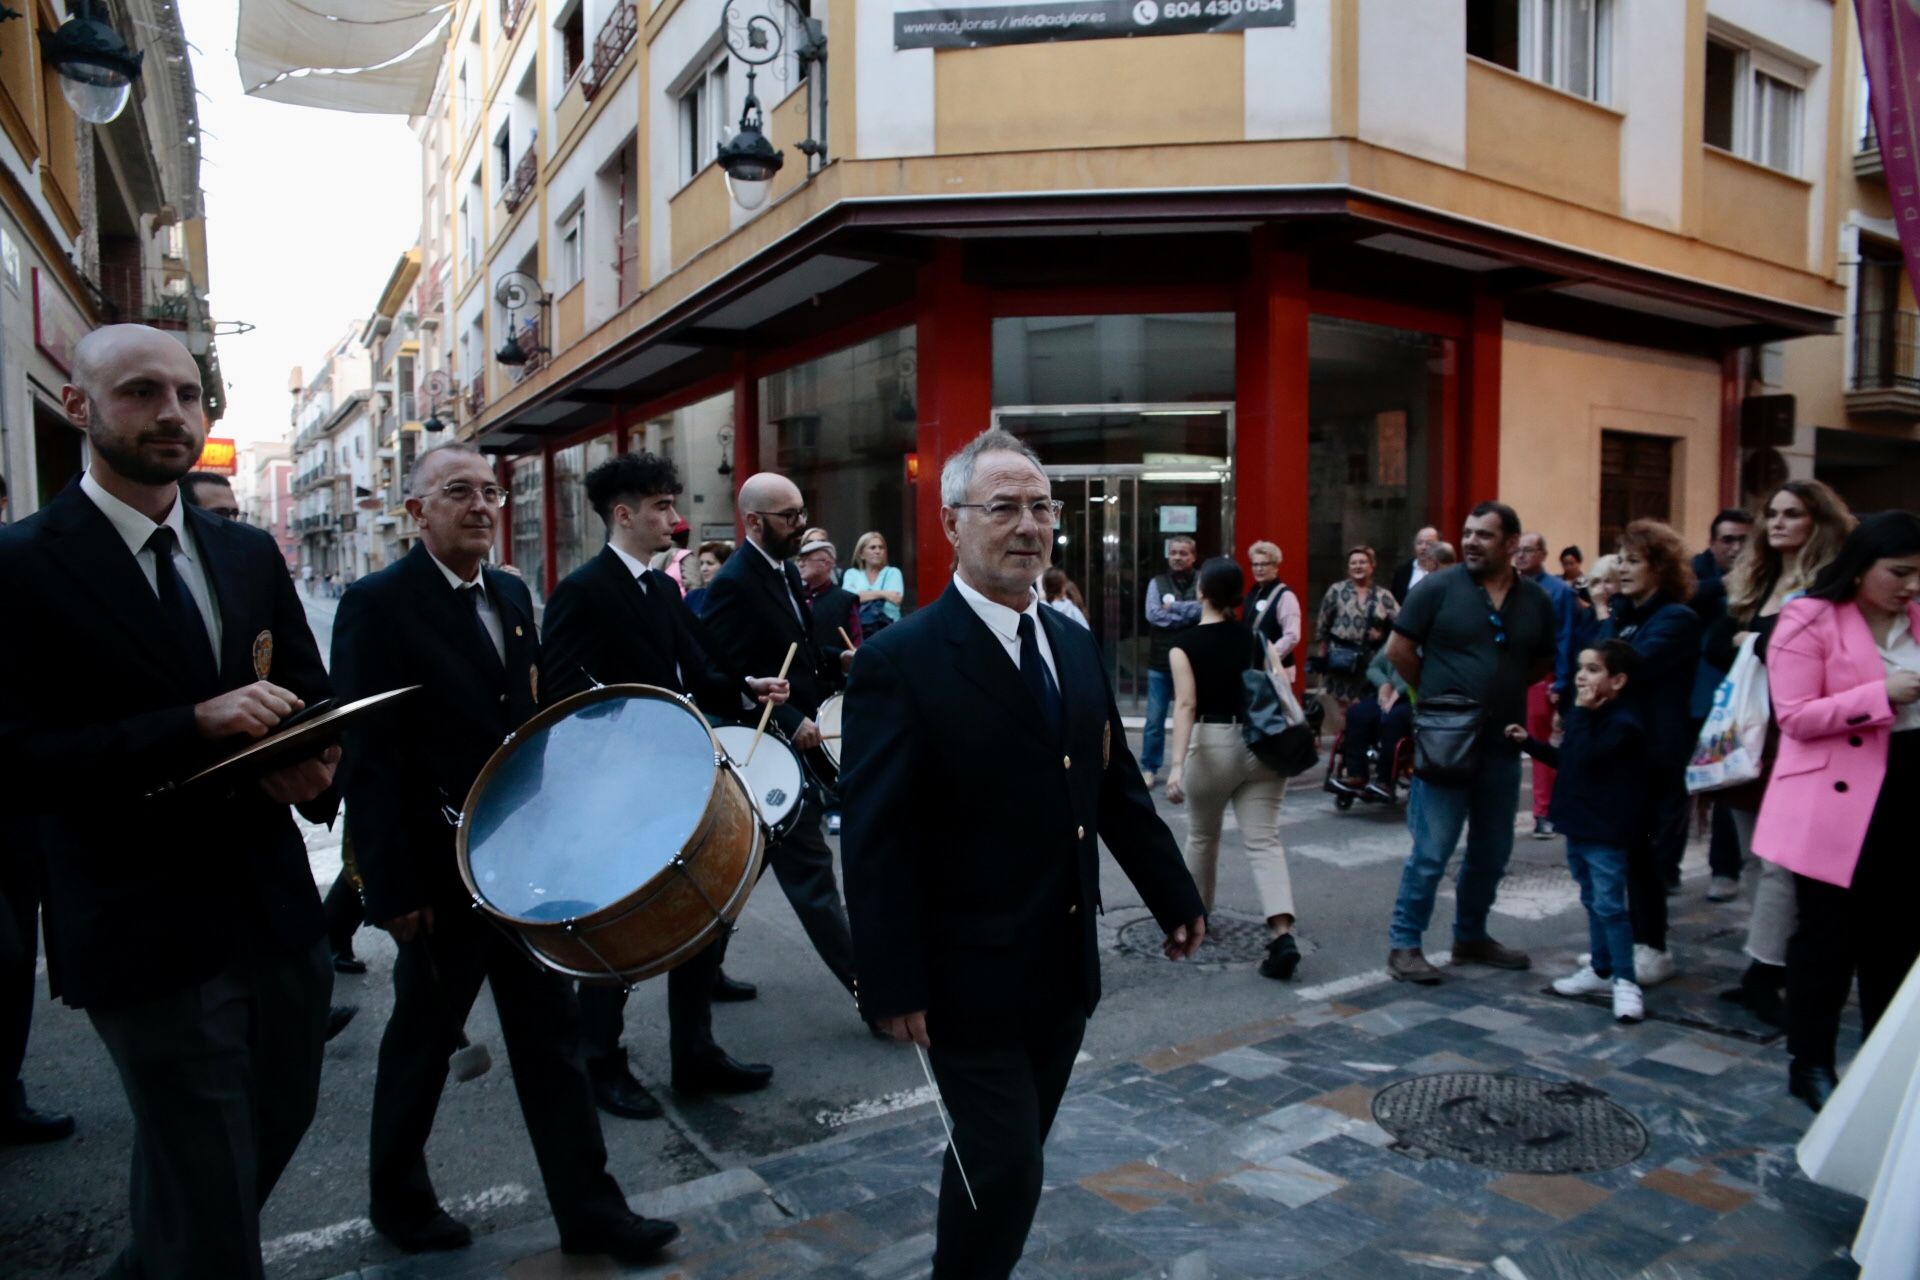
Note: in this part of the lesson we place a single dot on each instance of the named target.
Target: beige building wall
(1558, 392)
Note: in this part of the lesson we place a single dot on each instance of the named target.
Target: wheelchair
(1397, 779)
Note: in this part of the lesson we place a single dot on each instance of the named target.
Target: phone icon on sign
(1146, 12)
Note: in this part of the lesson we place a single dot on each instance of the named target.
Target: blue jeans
(1435, 816)
(1153, 740)
(1601, 871)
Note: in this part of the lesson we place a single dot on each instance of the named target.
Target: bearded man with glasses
(984, 762)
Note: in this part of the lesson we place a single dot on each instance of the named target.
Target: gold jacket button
(1080, 833)
(1066, 762)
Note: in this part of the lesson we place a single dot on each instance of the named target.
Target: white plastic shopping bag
(1734, 738)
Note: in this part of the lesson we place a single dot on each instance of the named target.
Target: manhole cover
(1514, 1123)
(1231, 939)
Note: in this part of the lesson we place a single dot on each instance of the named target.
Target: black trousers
(1864, 929)
(603, 1010)
(344, 913)
(803, 863)
(1001, 1099)
(19, 951)
(1665, 806)
(222, 1079)
(540, 1021)
(1367, 726)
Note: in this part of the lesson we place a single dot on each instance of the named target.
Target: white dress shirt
(1413, 579)
(489, 616)
(134, 529)
(1005, 624)
(1902, 652)
(640, 570)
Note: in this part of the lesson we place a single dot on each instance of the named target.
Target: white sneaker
(1146, 776)
(1723, 889)
(1651, 967)
(1584, 983)
(1628, 1005)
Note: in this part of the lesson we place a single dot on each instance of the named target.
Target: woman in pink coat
(1842, 809)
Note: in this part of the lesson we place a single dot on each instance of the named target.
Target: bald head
(774, 513)
(136, 393)
(430, 468)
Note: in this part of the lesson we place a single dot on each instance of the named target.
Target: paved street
(63, 1210)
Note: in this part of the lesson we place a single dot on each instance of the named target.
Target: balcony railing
(524, 175)
(1886, 351)
(511, 12)
(627, 262)
(477, 395)
(528, 340)
(616, 37)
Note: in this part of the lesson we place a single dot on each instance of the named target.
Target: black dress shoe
(618, 1093)
(347, 962)
(717, 1072)
(23, 1125)
(1283, 957)
(422, 1233)
(1811, 1084)
(338, 1017)
(632, 1242)
(731, 991)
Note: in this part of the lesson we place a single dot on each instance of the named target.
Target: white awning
(373, 47)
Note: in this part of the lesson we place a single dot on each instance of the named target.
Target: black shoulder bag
(1280, 740)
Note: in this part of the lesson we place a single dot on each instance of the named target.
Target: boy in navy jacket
(1599, 761)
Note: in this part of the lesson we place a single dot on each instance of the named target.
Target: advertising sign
(977, 26)
(218, 457)
(1890, 39)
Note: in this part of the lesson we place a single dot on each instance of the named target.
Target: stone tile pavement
(1254, 1154)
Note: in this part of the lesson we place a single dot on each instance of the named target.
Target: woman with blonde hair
(880, 586)
(1802, 528)
(1273, 610)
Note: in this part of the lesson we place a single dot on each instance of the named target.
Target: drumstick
(767, 710)
(939, 1104)
(846, 639)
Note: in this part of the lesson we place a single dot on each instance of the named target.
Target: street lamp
(747, 158)
(97, 69)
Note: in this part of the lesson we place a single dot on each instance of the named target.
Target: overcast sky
(307, 211)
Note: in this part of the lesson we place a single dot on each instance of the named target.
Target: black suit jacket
(401, 626)
(146, 895)
(1403, 581)
(749, 612)
(834, 610)
(972, 834)
(601, 626)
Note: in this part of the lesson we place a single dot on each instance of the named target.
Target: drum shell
(667, 920)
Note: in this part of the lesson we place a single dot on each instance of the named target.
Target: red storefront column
(1270, 427)
(954, 391)
(1475, 459)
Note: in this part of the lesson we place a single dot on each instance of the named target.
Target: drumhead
(582, 810)
(773, 779)
(828, 719)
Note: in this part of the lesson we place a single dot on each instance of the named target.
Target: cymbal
(302, 736)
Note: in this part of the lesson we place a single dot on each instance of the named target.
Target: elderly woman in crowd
(1355, 617)
(1802, 528)
(1843, 804)
(1273, 610)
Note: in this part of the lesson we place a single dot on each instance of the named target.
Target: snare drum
(828, 718)
(773, 778)
(611, 835)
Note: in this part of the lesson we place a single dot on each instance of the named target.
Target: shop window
(1753, 105)
(529, 538)
(577, 531)
(697, 439)
(841, 428)
(1636, 482)
(1567, 44)
(1113, 360)
(1374, 398)
(703, 116)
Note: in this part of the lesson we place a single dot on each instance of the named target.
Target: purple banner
(1890, 39)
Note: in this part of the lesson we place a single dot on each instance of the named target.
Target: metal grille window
(1567, 44)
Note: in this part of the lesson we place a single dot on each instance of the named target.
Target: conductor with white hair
(984, 761)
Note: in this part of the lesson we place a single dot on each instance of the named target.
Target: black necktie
(183, 615)
(1040, 680)
(476, 595)
(795, 589)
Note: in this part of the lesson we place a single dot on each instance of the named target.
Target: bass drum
(611, 835)
(773, 775)
(828, 718)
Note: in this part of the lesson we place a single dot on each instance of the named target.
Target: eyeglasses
(1046, 511)
(461, 493)
(230, 513)
(797, 515)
